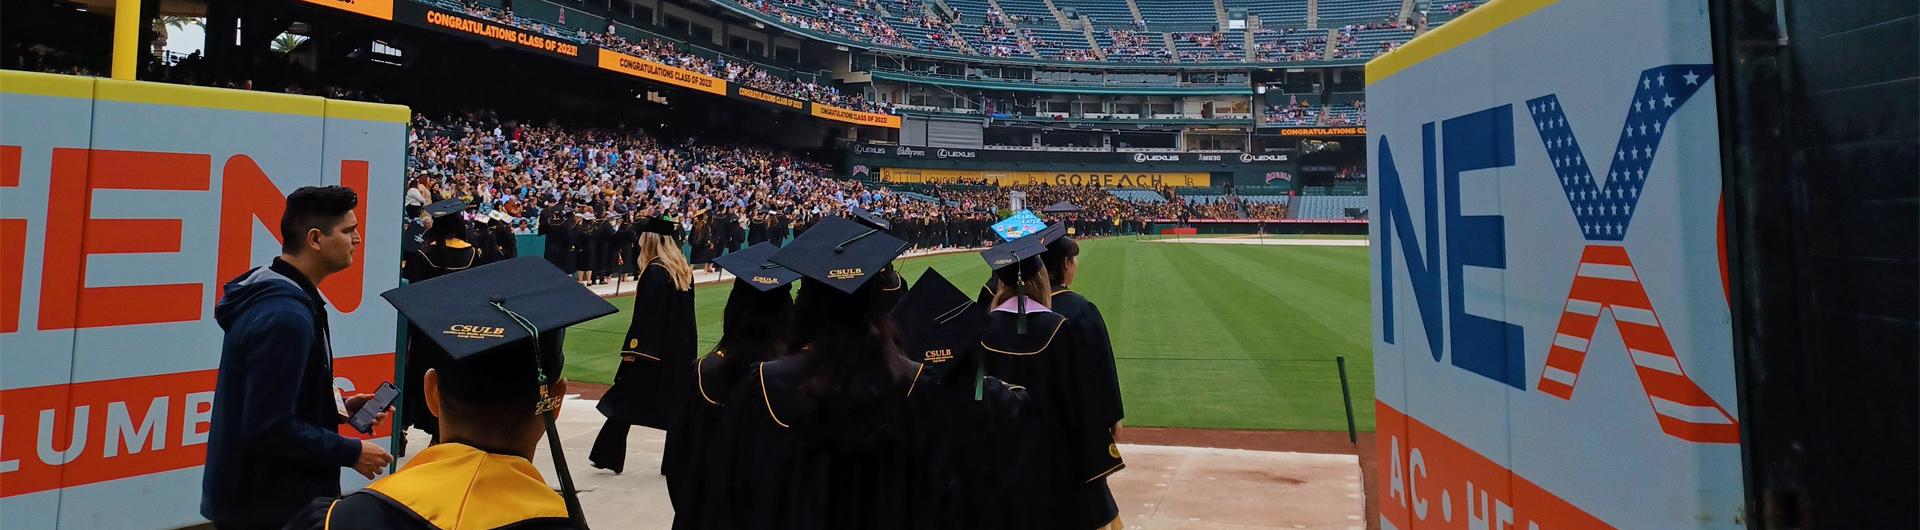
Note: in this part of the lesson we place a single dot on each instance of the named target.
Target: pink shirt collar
(1012, 305)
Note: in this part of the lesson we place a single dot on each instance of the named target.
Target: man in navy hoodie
(274, 443)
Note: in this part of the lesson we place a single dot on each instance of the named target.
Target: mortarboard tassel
(545, 409)
(1020, 298)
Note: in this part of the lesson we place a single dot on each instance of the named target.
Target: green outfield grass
(1206, 336)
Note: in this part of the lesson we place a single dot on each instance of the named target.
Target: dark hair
(849, 371)
(450, 225)
(755, 323)
(499, 388)
(1055, 258)
(313, 208)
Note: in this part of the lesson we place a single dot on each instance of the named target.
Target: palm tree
(286, 42)
(165, 22)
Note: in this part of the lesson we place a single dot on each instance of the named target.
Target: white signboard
(124, 207)
(1551, 333)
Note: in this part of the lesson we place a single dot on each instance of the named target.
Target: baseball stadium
(1354, 264)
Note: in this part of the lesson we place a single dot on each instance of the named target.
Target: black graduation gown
(777, 228)
(757, 232)
(777, 460)
(649, 390)
(1054, 463)
(736, 236)
(582, 240)
(604, 249)
(628, 241)
(1085, 317)
(506, 245)
(510, 494)
(705, 248)
(714, 378)
(434, 260)
(559, 242)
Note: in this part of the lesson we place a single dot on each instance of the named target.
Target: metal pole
(1346, 398)
(126, 39)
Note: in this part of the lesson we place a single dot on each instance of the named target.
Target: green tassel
(979, 381)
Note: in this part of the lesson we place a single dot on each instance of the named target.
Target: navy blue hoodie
(274, 443)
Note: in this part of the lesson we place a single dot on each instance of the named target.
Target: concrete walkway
(1162, 486)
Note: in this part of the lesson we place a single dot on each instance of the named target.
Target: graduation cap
(446, 208)
(751, 267)
(1061, 207)
(1013, 261)
(937, 320)
(869, 218)
(495, 308)
(659, 225)
(488, 315)
(840, 253)
(1021, 224)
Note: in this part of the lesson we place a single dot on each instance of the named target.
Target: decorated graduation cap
(938, 321)
(750, 266)
(840, 253)
(445, 208)
(1013, 262)
(1021, 224)
(659, 225)
(869, 218)
(502, 326)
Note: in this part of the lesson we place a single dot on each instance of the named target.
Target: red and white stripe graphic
(1607, 281)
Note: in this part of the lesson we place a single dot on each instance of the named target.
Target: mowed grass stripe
(1289, 334)
(1206, 336)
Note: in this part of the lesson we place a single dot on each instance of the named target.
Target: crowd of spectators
(1276, 45)
(1349, 40)
(527, 170)
(1295, 112)
(671, 54)
(1217, 46)
(1132, 46)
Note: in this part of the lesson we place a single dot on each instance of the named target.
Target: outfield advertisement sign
(127, 205)
(1552, 338)
(1054, 178)
(908, 154)
(418, 14)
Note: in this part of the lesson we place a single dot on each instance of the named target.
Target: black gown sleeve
(647, 336)
(1102, 370)
(1089, 395)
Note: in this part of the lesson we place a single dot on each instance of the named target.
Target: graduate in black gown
(892, 285)
(582, 238)
(1062, 260)
(445, 252)
(657, 354)
(556, 223)
(498, 394)
(501, 242)
(628, 242)
(754, 324)
(1049, 468)
(778, 226)
(604, 248)
(938, 322)
(837, 435)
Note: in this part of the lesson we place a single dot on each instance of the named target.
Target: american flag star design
(1605, 281)
(1605, 208)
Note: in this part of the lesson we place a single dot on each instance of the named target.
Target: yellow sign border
(1470, 26)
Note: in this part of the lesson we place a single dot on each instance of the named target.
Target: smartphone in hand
(362, 420)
